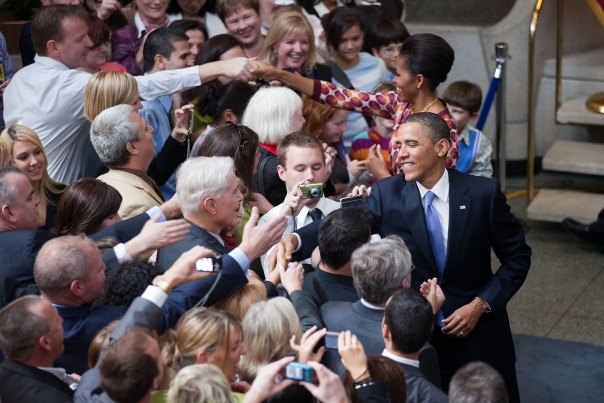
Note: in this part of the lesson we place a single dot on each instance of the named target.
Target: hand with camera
(257, 240)
(329, 389)
(266, 383)
(307, 345)
(184, 269)
(181, 123)
(294, 202)
(353, 355)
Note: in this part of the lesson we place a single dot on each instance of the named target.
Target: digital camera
(311, 191)
(209, 264)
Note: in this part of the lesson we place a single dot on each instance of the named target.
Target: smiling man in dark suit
(449, 221)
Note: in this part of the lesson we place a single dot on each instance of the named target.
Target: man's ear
(160, 62)
(52, 48)
(229, 116)
(406, 283)
(442, 147)
(131, 148)
(281, 172)
(375, 52)
(210, 205)
(473, 115)
(386, 331)
(7, 213)
(44, 343)
(76, 288)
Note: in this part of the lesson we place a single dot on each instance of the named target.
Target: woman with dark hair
(86, 207)
(230, 104)
(220, 47)
(424, 62)
(203, 11)
(351, 67)
(384, 370)
(195, 31)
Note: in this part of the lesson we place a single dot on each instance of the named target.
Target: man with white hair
(208, 194)
(124, 142)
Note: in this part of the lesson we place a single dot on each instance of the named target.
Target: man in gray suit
(407, 326)
(378, 270)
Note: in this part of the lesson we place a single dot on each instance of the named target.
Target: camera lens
(314, 192)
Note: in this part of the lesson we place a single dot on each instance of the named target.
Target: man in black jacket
(31, 337)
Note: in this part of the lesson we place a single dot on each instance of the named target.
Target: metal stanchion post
(501, 55)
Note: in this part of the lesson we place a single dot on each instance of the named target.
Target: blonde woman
(290, 44)
(238, 303)
(23, 149)
(203, 336)
(110, 88)
(200, 383)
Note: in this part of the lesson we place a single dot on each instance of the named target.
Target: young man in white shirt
(301, 162)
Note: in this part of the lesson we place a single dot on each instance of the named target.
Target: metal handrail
(530, 158)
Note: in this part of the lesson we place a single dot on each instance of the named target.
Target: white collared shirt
(48, 97)
(371, 306)
(58, 372)
(326, 206)
(138, 23)
(440, 203)
(402, 360)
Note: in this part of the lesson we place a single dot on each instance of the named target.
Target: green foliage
(22, 8)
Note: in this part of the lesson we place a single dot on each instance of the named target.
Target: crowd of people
(248, 201)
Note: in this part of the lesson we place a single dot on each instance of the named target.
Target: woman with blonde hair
(110, 88)
(268, 328)
(200, 383)
(23, 149)
(290, 44)
(241, 300)
(203, 336)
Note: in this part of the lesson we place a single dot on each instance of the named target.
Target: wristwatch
(162, 284)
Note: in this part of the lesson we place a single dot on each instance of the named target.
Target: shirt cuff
(155, 295)
(121, 254)
(290, 225)
(240, 258)
(299, 243)
(153, 211)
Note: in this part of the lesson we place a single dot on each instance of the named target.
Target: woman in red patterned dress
(424, 62)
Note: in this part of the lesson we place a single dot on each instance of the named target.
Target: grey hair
(61, 261)
(477, 382)
(200, 383)
(111, 130)
(379, 268)
(200, 178)
(269, 113)
(9, 193)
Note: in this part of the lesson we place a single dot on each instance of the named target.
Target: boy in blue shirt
(463, 101)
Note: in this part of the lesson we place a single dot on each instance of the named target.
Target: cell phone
(191, 114)
(298, 372)
(209, 264)
(351, 201)
(331, 340)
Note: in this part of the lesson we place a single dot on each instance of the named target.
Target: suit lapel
(413, 211)
(459, 210)
(209, 238)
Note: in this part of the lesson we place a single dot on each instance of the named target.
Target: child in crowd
(463, 101)
(378, 136)
(385, 41)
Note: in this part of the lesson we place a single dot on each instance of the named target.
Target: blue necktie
(436, 239)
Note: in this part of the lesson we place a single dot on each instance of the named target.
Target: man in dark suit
(31, 337)
(340, 234)
(20, 238)
(71, 274)
(406, 329)
(450, 235)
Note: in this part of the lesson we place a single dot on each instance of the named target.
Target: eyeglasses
(242, 134)
(412, 268)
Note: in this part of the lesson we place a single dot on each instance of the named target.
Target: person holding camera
(302, 168)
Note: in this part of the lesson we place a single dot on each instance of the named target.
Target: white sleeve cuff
(152, 212)
(299, 243)
(121, 254)
(155, 295)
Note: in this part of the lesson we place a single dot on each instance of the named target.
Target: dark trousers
(449, 363)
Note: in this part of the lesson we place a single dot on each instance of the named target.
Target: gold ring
(461, 333)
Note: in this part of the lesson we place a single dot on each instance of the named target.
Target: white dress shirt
(440, 203)
(48, 97)
(403, 360)
(302, 219)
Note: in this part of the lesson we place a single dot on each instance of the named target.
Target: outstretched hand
(155, 235)
(257, 240)
(184, 270)
(309, 340)
(282, 253)
(433, 293)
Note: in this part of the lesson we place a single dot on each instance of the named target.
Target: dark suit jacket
(26, 46)
(479, 219)
(10, 290)
(366, 324)
(198, 236)
(22, 383)
(419, 388)
(81, 323)
(19, 248)
(325, 287)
